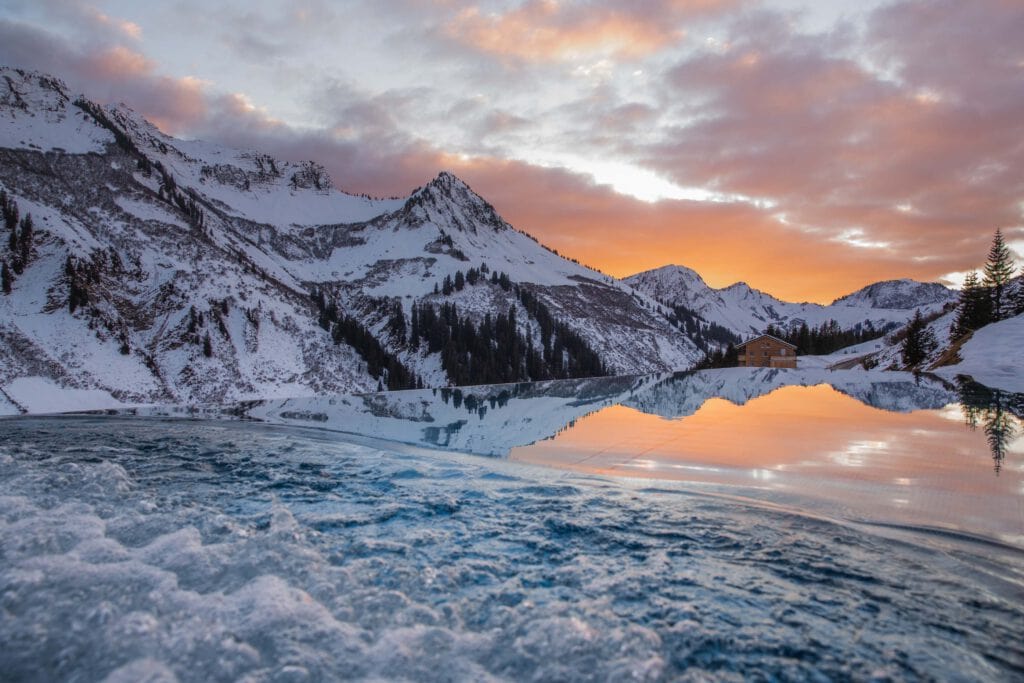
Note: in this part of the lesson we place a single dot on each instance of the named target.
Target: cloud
(623, 235)
(866, 140)
(840, 158)
(111, 74)
(546, 30)
(83, 19)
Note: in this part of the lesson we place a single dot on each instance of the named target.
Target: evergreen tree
(719, 358)
(396, 322)
(1019, 303)
(918, 343)
(414, 334)
(25, 239)
(460, 281)
(998, 272)
(7, 278)
(826, 338)
(207, 346)
(974, 308)
(11, 216)
(446, 289)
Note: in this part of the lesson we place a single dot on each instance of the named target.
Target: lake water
(728, 524)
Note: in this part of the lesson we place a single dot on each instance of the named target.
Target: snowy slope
(890, 357)
(42, 117)
(747, 311)
(993, 356)
(177, 242)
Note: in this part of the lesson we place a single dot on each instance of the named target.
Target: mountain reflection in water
(875, 446)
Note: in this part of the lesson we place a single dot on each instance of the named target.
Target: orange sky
(808, 148)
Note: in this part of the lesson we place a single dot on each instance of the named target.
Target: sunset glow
(807, 148)
(809, 440)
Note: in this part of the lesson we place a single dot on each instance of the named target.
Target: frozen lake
(786, 525)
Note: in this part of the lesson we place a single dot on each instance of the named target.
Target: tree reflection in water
(1000, 413)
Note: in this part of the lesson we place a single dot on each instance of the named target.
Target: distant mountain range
(164, 270)
(747, 311)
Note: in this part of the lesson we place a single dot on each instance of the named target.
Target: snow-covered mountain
(991, 355)
(166, 270)
(899, 295)
(747, 311)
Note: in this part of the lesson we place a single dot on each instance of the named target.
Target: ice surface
(43, 395)
(163, 550)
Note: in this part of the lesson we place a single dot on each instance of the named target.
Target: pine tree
(25, 239)
(396, 323)
(12, 240)
(974, 308)
(918, 343)
(11, 216)
(414, 335)
(998, 272)
(7, 278)
(1019, 303)
(207, 346)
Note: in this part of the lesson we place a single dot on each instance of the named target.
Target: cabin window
(782, 352)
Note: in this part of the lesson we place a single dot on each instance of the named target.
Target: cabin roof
(766, 336)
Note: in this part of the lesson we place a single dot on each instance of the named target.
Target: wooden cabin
(766, 351)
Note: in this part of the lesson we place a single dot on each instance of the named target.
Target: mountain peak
(670, 275)
(32, 91)
(449, 186)
(447, 179)
(898, 294)
(448, 200)
(39, 113)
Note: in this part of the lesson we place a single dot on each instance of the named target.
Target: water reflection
(999, 412)
(871, 445)
(495, 419)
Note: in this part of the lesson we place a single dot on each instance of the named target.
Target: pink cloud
(546, 30)
(925, 164)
